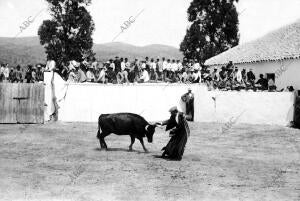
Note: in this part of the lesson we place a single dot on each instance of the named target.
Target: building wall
(290, 75)
(85, 102)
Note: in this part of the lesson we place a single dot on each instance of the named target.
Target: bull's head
(150, 129)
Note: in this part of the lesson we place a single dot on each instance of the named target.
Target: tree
(68, 35)
(213, 29)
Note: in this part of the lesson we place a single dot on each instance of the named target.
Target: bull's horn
(146, 127)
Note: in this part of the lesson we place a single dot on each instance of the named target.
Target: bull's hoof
(103, 149)
(146, 150)
(130, 149)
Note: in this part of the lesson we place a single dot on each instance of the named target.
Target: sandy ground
(62, 161)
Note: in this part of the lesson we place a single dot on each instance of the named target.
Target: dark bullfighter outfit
(179, 134)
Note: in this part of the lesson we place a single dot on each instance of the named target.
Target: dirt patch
(62, 161)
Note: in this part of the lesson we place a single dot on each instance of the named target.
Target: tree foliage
(213, 29)
(68, 35)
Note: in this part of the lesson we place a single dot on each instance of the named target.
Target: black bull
(124, 124)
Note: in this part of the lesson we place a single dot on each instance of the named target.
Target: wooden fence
(22, 103)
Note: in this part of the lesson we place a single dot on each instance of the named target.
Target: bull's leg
(132, 141)
(142, 142)
(102, 141)
(99, 138)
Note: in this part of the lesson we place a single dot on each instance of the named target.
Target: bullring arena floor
(62, 161)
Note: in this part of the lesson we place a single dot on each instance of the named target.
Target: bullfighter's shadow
(164, 158)
(121, 150)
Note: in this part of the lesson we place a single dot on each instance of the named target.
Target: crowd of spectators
(31, 74)
(123, 71)
(232, 78)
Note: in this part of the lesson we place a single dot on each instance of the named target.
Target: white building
(275, 55)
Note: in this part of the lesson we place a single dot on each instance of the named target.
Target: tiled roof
(280, 44)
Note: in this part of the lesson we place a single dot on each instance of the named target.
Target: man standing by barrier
(188, 98)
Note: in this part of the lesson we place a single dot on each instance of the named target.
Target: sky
(158, 22)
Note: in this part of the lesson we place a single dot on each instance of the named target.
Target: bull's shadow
(121, 150)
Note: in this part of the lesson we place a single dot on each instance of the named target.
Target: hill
(27, 50)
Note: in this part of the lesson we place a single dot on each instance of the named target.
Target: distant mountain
(27, 50)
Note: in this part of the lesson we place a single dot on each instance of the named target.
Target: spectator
(183, 76)
(174, 66)
(196, 76)
(238, 75)
(12, 76)
(102, 75)
(197, 65)
(28, 75)
(160, 69)
(90, 76)
(136, 70)
(111, 75)
(148, 64)
(2, 69)
(153, 73)
(19, 75)
(1, 77)
(39, 74)
(117, 67)
(165, 68)
(145, 76)
(81, 74)
(6, 73)
(72, 76)
(126, 71)
(94, 64)
(179, 65)
(169, 68)
(262, 83)
(271, 85)
(120, 74)
(251, 77)
(33, 75)
(188, 99)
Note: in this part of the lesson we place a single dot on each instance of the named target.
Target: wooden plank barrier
(22, 103)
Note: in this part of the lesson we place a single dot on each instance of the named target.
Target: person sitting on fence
(90, 76)
(72, 77)
(159, 65)
(33, 74)
(94, 64)
(81, 74)
(6, 73)
(165, 70)
(144, 77)
(117, 63)
(12, 75)
(125, 66)
(135, 71)
(19, 75)
(196, 76)
(28, 74)
(102, 74)
(119, 73)
(183, 75)
(111, 75)
(169, 67)
(262, 83)
(174, 66)
(271, 85)
(251, 77)
(39, 73)
(215, 78)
